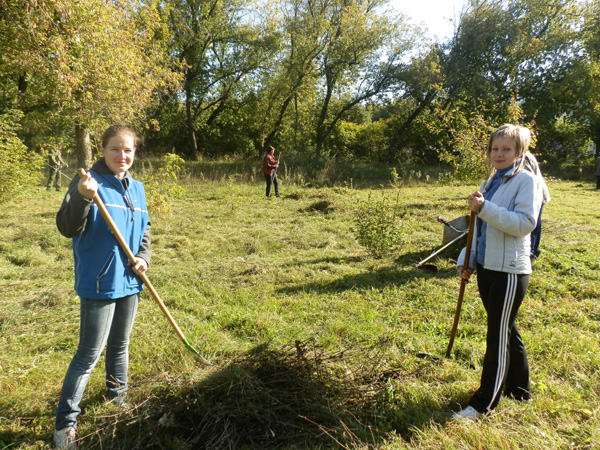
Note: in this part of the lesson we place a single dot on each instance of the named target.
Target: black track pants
(505, 363)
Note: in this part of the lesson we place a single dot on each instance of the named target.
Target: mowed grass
(313, 344)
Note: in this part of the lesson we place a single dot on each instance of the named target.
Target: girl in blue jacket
(106, 282)
(507, 207)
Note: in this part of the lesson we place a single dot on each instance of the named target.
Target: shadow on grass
(36, 420)
(14, 439)
(297, 397)
(403, 272)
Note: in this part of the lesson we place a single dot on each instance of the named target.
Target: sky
(435, 15)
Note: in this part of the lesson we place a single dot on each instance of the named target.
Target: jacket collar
(505, 177)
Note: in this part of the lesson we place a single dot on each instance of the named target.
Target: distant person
(598, 172)
(106, 282)
(55, 163)
(269, 170)
(507, 207)
(532, 165)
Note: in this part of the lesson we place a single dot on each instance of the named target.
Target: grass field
(313, 343)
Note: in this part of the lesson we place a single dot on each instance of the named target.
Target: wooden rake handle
(113, 227)
(463, 283)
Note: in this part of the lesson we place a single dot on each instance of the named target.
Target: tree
(362, 55)
(293, 73)
(221, 48)
(85, 62)
(528, 50)
(17, 166)
(591, 82)
(335, 55)
(423, 82)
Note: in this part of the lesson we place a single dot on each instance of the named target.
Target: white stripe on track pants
(505, 364)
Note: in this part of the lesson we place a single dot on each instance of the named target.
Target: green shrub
(161, 184)
(381, 228)
(18, 166)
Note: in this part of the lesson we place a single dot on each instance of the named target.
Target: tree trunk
(390, 154)
(596, 137)
(83, 146)
(277, 126)
(321, 135)
(193, 144)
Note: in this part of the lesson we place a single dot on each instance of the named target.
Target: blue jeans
(102, 323)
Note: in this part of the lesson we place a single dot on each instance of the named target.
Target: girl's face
(119, 153)
(503, 152)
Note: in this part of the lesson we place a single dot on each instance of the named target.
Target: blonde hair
(526, 136)
(519, 134)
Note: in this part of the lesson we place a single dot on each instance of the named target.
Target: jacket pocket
(104, 270)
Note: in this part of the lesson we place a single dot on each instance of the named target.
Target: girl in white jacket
(507, 207)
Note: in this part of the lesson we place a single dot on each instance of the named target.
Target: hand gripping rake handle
(113, 227)
(463, 283)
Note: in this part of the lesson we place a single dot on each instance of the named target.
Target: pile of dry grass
(300, 396)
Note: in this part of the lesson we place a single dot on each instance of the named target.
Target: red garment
(269, 164)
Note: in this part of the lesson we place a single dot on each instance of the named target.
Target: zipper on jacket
(125, 185)
(129, 205)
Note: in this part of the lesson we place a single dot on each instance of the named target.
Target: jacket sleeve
(144, 251)
(460, 261)
(461, 258)
(522, 218)
(71, 218)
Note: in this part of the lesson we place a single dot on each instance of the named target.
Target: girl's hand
(465, 274)
(87, 186)
(140, 267)
(475, 201)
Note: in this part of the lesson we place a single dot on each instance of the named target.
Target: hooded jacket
(511, 214)
(101, 270)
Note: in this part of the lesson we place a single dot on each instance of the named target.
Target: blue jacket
(101, 270)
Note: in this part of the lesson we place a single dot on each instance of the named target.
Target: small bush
(381, 228)
(161, 184)
(18, 167)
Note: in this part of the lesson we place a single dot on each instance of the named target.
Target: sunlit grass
(308, 336)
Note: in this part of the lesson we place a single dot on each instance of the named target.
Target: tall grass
(313, 344)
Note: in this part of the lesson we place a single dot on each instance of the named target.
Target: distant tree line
(315, 78)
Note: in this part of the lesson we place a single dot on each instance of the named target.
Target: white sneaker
(468, 413)
(65, 439)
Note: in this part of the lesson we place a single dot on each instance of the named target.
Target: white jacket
(511, 214)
